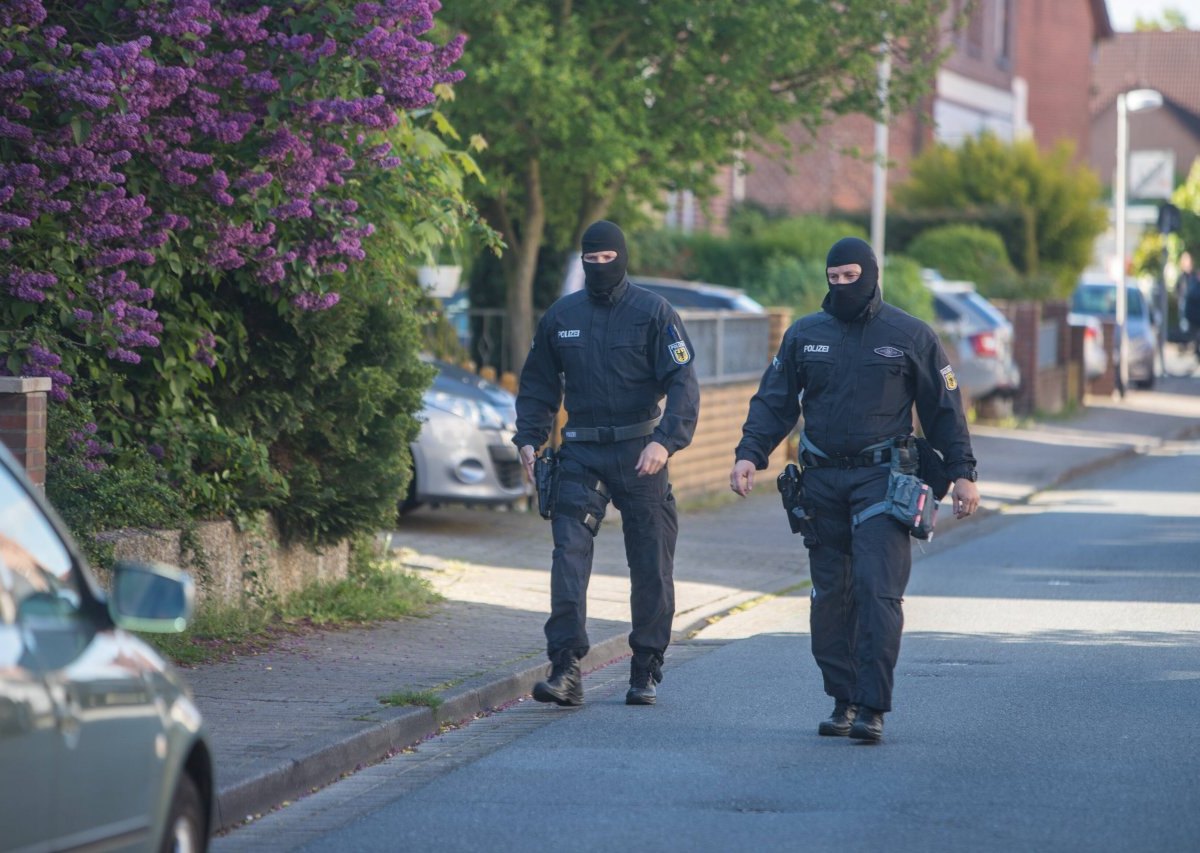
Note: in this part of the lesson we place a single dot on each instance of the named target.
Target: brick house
(1166, 61)
(1017, 68)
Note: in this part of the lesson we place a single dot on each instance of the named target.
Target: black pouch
(931, 469)
(790, 483)
(545, 478)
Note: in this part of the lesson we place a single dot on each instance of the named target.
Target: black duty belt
(610, 434)
(876, 454)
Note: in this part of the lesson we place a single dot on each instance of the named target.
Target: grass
(376, 590)
(423, 698)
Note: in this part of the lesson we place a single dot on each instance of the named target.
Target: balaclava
(846, 301)
(601, 279)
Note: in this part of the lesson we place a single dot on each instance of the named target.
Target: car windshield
(1101, 300)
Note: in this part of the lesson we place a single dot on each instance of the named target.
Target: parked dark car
(1098, 299)
(699, 295)
(464, 452)
(981, 337)
(101, 746)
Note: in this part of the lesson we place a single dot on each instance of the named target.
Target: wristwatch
(971, 475)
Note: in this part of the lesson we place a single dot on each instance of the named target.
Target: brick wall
(23, 422)
(1053, 49)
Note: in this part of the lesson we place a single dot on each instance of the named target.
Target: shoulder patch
(776, 363)
(949, 378)
(679, 352)
(889, 352)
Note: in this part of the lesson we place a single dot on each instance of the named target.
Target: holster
(790, 483)
(545, 478)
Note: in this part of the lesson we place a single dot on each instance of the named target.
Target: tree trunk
(519, 300)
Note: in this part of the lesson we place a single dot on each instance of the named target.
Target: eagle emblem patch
(679, 352)
(949, 378)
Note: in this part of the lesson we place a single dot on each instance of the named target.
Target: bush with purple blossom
(187, 197)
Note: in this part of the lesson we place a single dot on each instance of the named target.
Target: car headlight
(482, 415)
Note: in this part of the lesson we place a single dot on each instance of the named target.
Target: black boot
(839, 722)
(645, 672)
(565, 684)
(868, 726)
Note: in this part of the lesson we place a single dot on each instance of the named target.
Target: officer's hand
(653, 458)
(966, 497)
(741, 478)
(528, 455)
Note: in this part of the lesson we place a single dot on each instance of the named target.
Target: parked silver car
(1098, 299)
(699, 295)
(101, 747)
(464, 453)
(981, 336)
(1095, 352)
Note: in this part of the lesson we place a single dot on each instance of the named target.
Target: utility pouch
(545, 478)
(791, 491)
(910, 501)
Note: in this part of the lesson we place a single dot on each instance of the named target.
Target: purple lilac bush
(146, 143)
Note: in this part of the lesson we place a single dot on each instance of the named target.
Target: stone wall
(238, 565)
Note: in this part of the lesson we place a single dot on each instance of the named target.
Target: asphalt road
(1046, 699)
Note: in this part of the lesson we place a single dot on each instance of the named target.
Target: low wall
(702, 468)
(238, 565)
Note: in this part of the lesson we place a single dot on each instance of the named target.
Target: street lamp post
(1135, 101)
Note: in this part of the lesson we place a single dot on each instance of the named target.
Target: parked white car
(464, 453)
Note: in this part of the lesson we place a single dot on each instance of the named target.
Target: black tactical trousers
(858, 581)
(649, 523)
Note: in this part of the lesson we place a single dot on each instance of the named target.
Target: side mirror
(151, 597)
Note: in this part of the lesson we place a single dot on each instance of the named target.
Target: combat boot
(565, 684)
(840, 721)
(645, 672)
(868, 726)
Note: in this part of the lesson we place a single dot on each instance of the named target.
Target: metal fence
(729, 346)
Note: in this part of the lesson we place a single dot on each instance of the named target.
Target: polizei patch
(948, 377)
(679, 352)
(889, 352)
(568, 333)
(816, 347)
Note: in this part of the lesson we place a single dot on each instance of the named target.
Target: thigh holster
(581, 495)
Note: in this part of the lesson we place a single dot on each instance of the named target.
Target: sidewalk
(302, 715)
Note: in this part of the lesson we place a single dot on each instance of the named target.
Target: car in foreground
(699, 295)
(101, 745)
(464, 453)
(1097, 299)
(981, 337)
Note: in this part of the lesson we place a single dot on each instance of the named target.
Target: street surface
(1045, 699)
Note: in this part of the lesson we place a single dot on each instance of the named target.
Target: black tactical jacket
(859, 381)
(616, 359)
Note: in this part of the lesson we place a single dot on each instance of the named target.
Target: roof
(1168, 61)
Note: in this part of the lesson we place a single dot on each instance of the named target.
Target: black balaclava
(602, 279)
(846, 301)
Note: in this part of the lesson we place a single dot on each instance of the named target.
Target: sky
(1123, 13)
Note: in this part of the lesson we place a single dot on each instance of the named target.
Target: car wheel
(410, 501)
(1146, 384)
(185, 832)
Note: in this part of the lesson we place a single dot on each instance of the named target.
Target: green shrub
(903, 287)
(98, 491)
(970, 253)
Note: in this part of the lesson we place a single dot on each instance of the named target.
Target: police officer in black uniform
(857, 367)
(616, 351)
